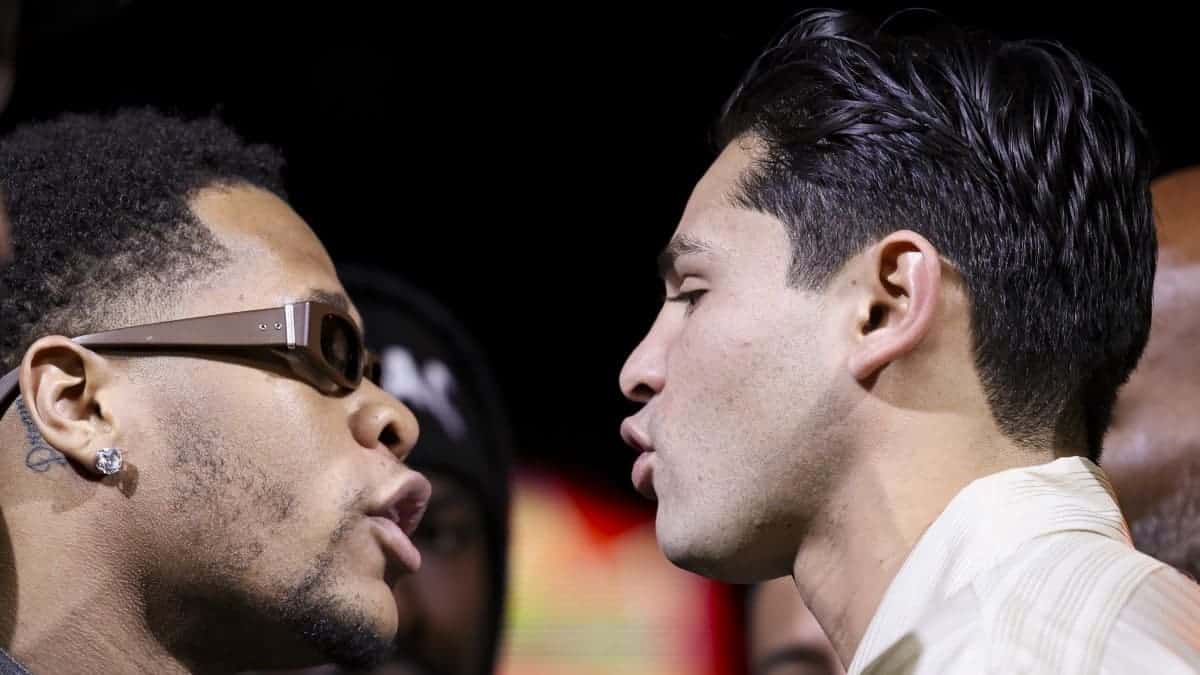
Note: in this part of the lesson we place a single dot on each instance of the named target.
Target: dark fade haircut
(1022, 164)
(100, 216)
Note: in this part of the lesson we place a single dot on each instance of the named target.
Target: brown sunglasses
(313, 341)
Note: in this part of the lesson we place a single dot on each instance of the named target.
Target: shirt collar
(983, 525)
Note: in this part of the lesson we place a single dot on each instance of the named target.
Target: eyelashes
(689, 297)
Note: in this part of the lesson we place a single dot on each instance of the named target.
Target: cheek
(267, 455)
(737, 388)
(722, 363)
(711, 353)
(294, 432)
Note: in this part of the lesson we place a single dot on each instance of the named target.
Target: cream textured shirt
(1031, 570)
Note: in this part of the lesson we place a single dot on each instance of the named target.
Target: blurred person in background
(1152, 450)
(782, 636)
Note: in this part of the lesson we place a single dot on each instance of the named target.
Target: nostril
(642, 393)
(388, 437)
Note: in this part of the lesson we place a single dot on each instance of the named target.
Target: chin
(372, 602)
(345, 618)
(362, 590)
(729, 568)
(695, 551)
(714, 553)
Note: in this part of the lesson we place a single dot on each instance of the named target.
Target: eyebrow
(680, 246)
(338, 300)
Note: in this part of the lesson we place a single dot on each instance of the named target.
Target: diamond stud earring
(109, 461)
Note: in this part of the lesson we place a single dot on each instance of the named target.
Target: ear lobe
(61, 383)
(902, 286)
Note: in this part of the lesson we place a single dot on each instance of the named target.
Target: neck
(844, 566)
(72, 608)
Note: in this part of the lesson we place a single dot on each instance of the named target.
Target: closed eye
(689, 297)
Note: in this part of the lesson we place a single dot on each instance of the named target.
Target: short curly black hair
(100, 215)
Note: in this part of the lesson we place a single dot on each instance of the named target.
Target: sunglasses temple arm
(9, 388)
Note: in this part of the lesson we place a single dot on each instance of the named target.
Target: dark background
(525, 165)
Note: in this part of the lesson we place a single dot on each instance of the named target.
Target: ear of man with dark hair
(898, 309)
(212, 503)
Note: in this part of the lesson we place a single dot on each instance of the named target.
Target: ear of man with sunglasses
(199, 474)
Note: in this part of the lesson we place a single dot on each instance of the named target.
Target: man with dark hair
(1152, 450)
(451, 610)
(899, 306)
(198, 476)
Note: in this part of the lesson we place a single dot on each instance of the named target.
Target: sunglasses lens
(341, 347)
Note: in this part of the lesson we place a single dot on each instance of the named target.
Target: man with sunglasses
(197, 476)
(450, 611)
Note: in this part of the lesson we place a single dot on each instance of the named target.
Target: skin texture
(778, 420)
(245, 499)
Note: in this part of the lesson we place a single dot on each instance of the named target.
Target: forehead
(713, 218)
(274, 256)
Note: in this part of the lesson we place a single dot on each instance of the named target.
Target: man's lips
(643, 475)
(643, 467)
(396, 545)
(396, 517)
